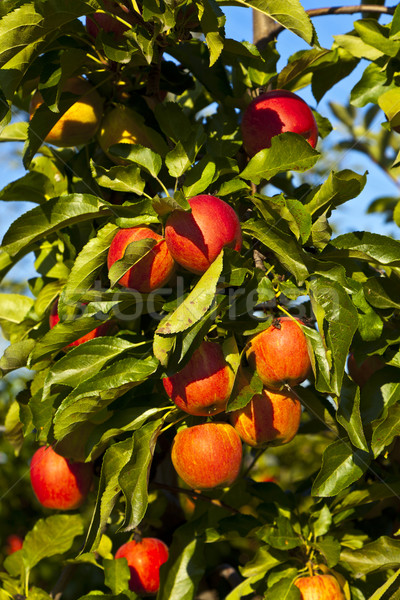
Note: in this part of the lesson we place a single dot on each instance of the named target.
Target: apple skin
(81, 121)
(144, 560)
(102, 329)
(275, 112)
(270, 418)
(58, 482)
(100, 21)
(196, 238)
(123, 125)
(14, 543)
(152, 271)
(360, 373)
(280, 355)
(208, 455)
(319, 587)
(204, 385)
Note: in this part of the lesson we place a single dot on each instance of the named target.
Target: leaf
(338, 188)
(329, 547)
(365, 246)
(379, 594)
(373, 83)
(120, 178)
(134, 252)
(96, 393)
(291, 17)
(197, 303)
(14, 307)
(49, 537)
(144, 157)
(288, 152)
(281, 243)
(349, 416)
(284, 589)
(87, 266)
(341, 466)
(134, 477)
(116, 574)
(41, 221)
(84, 361)
(322, 522)
(181, 574)
(386, 430)
(377, 36)
(13, 431)
(382, 554)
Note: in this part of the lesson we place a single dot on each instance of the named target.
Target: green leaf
(377, 36)
(341, 466)
(116, 574)
(291, 17)
(87, 266)
(373, 83)
(349, 416)
(366, 246)
(337, 322)
(322, 521)
(382, 554)
(338, 188)
(386, 430)
(284, 589)
(382, 292)
(180, 576)
(114, 460)
(120, 178)
(380, 593)
(330, 548)
(144, 157)
(280, 242)
(96, 393)
(84, 361)
(288, 152)
(134, 252)
(57, 213)
(49, 537)
(134, 477)
(14, 307)
(197, 303)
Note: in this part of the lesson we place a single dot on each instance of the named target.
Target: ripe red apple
(81, 121)
(102, 329)
(319, 587)
(207, 455)
(271, 418)
(58, 482)
(150, 272)
(360, 373)
(101, 21)
(279, 354)
(123, 125)
(144, 560)
(14, 543)
(196, 238)
(204, 385)
(274, 112)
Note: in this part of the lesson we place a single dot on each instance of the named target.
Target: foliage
(335, 501)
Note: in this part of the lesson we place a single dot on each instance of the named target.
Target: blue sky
(239, 26)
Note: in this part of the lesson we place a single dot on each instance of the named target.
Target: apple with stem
(204, 385)
(145, 558)
(319, 587)
(208, 455)
(270, 418)
(279, 354)
(81, 121)
(196, 238)
(99, 331)
(58, 482)
(275, 112)
(360, 373)
(153, 270)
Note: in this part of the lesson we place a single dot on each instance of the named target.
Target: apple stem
(310, 568)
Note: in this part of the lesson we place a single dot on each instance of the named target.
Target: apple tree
(206, 363)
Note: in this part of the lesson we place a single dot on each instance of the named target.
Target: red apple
(58, 482)
(207, 455)
(360, 373)
(319, 587)
(279, 354)
(274, 112)
(102, 329)
(101, 21)
(204, 385)
(81, 121)
(196, 238)
(122, 125)
(144, 560)
(271, 418)
(14, 543)
(153, 270)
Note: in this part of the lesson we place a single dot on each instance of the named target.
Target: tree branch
(330, 10)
